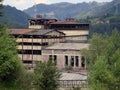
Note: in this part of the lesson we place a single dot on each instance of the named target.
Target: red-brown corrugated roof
(66, 22)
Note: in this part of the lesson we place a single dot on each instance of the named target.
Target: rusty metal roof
(42, 32)
(67, 22)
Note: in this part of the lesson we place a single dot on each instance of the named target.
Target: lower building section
(66, 57)
(66, 61)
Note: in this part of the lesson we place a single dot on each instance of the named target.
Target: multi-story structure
(75, 31)
(31, 42)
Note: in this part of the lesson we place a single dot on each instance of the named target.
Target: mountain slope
(79, 10)
(14, 18)
(110, 8)
(62, 10)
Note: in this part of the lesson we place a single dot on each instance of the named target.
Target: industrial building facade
(66, 55)
(48, 38)
(74, 30)
(31, 42)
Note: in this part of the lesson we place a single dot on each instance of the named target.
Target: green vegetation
(12, 73)
(102, 28)
(14, 77)
(14, 18)
(10, 66)
(103, 61)
(47, 76)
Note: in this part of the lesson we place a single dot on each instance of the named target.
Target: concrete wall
(34, 57)
(36, 26)
(75, 32)
(61, 57)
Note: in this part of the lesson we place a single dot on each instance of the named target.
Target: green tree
(103, 60)
(47, 76)
(10, 65)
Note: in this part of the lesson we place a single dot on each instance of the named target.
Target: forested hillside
(14, 18)
(64, 10)
(79, 10)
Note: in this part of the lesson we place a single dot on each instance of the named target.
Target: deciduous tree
(103, 59)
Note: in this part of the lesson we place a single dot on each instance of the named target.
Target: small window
(83, 61)
(27, 62)
(72, 61)
(77, 60)
(53, 58)
(50, 57)
(66, 60)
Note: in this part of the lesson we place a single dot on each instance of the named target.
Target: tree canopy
(10, 65)
(47, 76)
(103, 59)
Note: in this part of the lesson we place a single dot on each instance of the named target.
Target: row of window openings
(35, 52)
(39, 37)
(54, 59)
(73, 59)
(35, 44)
(27, 62)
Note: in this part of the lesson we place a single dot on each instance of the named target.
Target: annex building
(61, 40)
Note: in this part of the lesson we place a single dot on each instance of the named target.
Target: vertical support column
(74, 62)
(69, 61)
(32, 53)
(85, 63)
(80, 62)
(22, 48)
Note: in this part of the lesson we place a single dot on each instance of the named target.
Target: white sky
(24, 4)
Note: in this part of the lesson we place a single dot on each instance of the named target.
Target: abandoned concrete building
(66, 55)
(31, 42)
(50, 38)
(74, 30)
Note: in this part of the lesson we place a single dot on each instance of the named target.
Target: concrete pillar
(74, 62)
(69, 60)
(80, 61)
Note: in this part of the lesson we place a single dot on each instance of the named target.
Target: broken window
(77, 60)
(66, 60)
(72, 61)
(83, 61)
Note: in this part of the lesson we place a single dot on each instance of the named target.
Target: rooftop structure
(75, 31)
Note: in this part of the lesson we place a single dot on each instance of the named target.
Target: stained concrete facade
(66, 55)
(61, 40)
(70, 27)
(31, 43)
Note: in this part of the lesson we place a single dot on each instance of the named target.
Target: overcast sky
(23, 4)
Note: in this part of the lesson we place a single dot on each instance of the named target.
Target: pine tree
(47, 76)
(10, 65)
